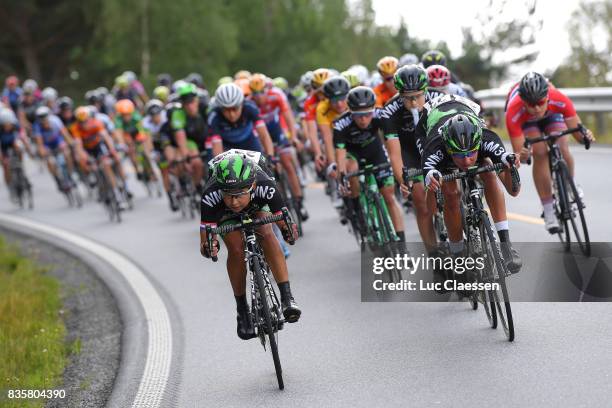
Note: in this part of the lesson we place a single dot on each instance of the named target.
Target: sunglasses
(461, 155)
(389, 78)
(363, 113)
(236, 194)
(232, 109)
(337, 99)
(541, 102)
(410, 98)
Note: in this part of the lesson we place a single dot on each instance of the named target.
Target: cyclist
(129, 131)
(122, 90)
(435, 57)
(92, 140)
(239, 186)
(319, 76)
(164, 151)
(386, 68)
(357, 137)
(272, 103)
(136, 86)
(439, 78)
(236, 123)
(408, 59)
(336, 90)
(164, 79)
(66, 114)
(9, 140)
(51, 136)
(188, 130)
(534, 107)
(11, 94)
(49, 98)
(453, 137)
(161, 93)
(399, 120)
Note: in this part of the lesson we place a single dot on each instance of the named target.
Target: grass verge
(33, 351)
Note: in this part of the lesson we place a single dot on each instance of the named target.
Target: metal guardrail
(585, 99)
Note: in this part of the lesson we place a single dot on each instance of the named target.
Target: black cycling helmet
(164, 80)
(533, 87)
(195, 79)
(462, 133)
(410, 78)
(235, 172)
(336, 88)
(361, 98)
(65, 103)
(433, 57)
(92, 97)
(153, 107)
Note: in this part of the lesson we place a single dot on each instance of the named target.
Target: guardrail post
(600, 123)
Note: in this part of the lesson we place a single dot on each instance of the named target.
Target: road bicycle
(20, 187)
(265, 307)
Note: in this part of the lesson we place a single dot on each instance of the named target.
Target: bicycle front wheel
(575, 205)
(269, 328)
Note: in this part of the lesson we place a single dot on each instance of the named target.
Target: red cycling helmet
(438, 76)
(12, 80)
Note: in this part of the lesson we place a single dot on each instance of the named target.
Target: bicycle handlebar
(368, 169)
(553, 136)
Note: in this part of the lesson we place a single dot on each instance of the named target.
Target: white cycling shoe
(551, 223)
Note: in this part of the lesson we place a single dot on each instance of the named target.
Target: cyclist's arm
(311, 133)
(574, 122)
(181, 141)
(326, 134)
(67, 136)
(395, 155)
(108, 139)
(265, 138)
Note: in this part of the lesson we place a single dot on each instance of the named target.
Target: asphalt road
(347, 353)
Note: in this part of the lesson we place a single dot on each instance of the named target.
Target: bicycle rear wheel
(575, 204)
(257, 271)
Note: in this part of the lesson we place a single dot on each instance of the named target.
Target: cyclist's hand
(404, 189)
(432, 180)
(332, 170)
(320, 162)
(344, 188)
(208, 252)
(588, 135)
(511, 159)
(289, 235)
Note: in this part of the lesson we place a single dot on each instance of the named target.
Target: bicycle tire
(483, 296)
(388, 233)
(583, 242)
(257, 271)
(504, 313)
(562, 208)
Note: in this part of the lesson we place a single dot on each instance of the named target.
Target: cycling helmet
(177, 84)
(410, 78)
(242, 74)
(195, 79)
(408, 59)
(257, 83)
(7, 116)
(438, 76)
(42, 112)
(153, 107)
(93, 110)
(102, 91)
(161, 92)
(462, 133)
(235, 172)
(280, 83)
(92, 97)
(362, 73)
(82, 113)
(387, 66)
(49, 94)
(164, 80)
(352, 79)
(65, 102)
(433, 57)
(336, 88)
(122, 82)
(533, 87)
(124, 107)
(130, 76)
(29, 86)
(361, 98)
(12, 80)
(229, 95)
(375, 79)
(187, 90)
(319, 76)
(225, 80)
(306, 79)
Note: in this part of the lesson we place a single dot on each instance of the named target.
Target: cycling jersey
(52, 135)
(325, 113)
(158, 137)
(435, 114)
(125, 94)
(132, 127)
(12, 98)
(90, 132)
(264, 197)
(8, 138)
(517, 116)
(270, 110)
(29, 109)
(195, 127)
(106, 120)
(239, 133)
(363, 144)
(310, 107)
(383, 94)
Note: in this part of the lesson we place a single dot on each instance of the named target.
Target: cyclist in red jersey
(534, 107)
(310, 111)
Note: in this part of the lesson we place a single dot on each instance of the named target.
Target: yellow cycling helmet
(387, 66)
(242, 74)
(257, 83)
(224, 80)
(352, 79)
(161, 93)
(318, 77)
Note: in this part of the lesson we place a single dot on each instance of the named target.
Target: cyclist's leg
(273, 252)
(556, 123)
(197, 167)
(452, 215)
(5, 164)
(424, 216)
(236, 268)
(167, 155)
(541, 171)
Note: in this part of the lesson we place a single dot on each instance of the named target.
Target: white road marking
(159, 348)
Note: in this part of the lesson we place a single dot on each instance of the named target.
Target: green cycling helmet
(186, 90)
(462, 133)
(280, 83)
(235, 172)
(410, 78)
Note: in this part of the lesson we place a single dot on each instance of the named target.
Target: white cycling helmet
(229, 95)
(42, 112)
(153, 107)
(7, 116)
(408, 59)
(30, 86)
(49, 94)
(361, 72)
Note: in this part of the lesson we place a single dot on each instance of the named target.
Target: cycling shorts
(550, 123)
